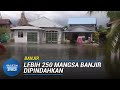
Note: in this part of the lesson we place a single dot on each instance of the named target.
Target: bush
(4, 34)
(96, 37)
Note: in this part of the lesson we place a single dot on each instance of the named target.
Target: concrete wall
(20, 40)
(24, 39)
(41, 35)
(59, 41)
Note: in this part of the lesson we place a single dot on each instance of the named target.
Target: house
(80, 27)
(27, 34)
(42, 30)
(5, 23)
(53, 31)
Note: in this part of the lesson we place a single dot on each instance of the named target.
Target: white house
(27, 34)
(53, 31)
(42, 30)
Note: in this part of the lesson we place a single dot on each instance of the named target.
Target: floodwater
(110, 65)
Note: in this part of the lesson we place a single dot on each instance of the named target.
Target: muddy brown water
(110, 66)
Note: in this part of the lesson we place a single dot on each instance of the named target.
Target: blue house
(84, 27)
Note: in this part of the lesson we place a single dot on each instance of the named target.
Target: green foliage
(96, 36)
(103, 30)
(100, 35)
(4, 34)
(65, 27)
(114, 35)
(113, 15)
(4, 30)
(4, 37)
(114, 38)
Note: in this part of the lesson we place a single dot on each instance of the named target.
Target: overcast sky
(60, 17)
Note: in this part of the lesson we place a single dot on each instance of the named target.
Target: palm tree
(113, 37)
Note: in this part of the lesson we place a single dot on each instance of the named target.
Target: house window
(20, 34)
(32, 36)
(51, 36)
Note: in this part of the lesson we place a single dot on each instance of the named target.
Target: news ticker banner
(32, 65)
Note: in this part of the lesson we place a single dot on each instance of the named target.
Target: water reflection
(8, 54)
(56, 52)
(85, 52)
(111, 63)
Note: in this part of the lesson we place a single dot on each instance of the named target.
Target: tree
(113, 15)
(4, 30)
(114, 34)
(113, 37)
(112, 66)
(103, 32)
(65, 27)
(96, 36)
(4, 34)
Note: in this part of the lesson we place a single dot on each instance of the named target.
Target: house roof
(82, 21)
(26, 27)
(45, 22)
(5, 21)
(80, 29)
(23, 20)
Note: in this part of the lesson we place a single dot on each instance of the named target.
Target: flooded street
(110, 67)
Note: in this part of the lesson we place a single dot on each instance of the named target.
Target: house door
(32, 37)
(51, 36)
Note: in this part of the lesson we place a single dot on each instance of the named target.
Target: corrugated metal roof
(5, 21)
(80, 29)
(44, 22)
(26, 27)
(82, 21)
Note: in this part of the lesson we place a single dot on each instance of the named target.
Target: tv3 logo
(11, 67)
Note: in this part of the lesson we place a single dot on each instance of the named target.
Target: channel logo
(11, 67)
